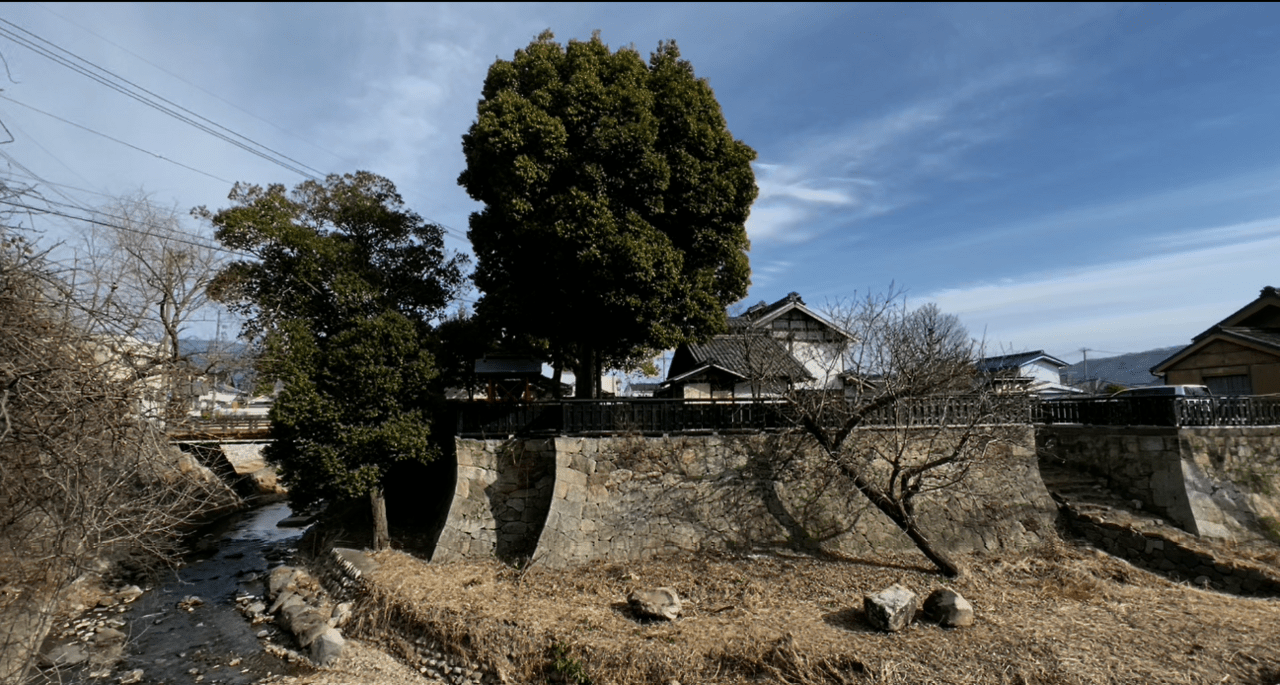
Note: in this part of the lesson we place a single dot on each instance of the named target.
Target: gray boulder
(890, 609)
(659, 603)
(327, 647)
(65, 655)
(948, 608)
(281, 578)
(128, 593)
(341, 614)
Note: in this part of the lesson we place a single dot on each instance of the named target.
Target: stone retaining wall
(578, 500)
(1219, 482)
(500, 500)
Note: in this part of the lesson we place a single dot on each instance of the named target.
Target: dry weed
(1056, 615)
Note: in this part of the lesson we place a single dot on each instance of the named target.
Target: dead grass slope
(1058, 614)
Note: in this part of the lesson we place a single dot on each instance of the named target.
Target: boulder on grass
(659, 603)
(948, 608)
(890, 609)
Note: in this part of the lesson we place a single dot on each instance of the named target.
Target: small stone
(107, 636)
(1203, 581)
(660, 603)
(131, 677)
(234, 662)
(263, 633)
(890, 609)
(948, 608)
(106, 601)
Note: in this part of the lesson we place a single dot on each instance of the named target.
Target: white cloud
(776, 222)
(1122, 306)
(871, 167)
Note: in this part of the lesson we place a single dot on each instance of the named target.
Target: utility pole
(1085, 379)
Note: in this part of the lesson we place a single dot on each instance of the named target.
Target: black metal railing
(1162, 411)
(676, 416)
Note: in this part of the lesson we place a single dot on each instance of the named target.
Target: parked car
(1164, 405)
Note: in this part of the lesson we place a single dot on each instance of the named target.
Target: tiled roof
(1013, 361)
(760, 309)
(749, 356)
(1129, 370)
(1268, 337)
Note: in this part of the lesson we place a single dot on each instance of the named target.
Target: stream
(188, 629)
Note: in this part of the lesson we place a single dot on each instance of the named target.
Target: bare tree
(148, 275)
(84, 476)
(910, 418)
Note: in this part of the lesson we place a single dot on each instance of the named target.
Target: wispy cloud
(871, 167)
(1121, 306)
(1160, 221)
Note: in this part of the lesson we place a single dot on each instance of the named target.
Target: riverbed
(188, 628)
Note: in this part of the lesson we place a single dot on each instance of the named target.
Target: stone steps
(1115, 525)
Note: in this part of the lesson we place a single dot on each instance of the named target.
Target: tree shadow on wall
(753, 491)
(520, 498)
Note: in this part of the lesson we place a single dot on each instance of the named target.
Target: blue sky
(1060, 176)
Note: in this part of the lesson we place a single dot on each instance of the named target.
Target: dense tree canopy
(341, 296)
(615, 202)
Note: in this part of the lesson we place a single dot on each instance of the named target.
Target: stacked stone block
(500, 500)
(1212, 481)
(577, 500)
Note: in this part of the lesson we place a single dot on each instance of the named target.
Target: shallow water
(177, 641)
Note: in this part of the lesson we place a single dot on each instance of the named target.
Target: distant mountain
(1126, 370)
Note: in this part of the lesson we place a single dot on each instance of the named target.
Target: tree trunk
(907, 524)
(597, 377)
(381, 537)
(556, 373)
(584, 386)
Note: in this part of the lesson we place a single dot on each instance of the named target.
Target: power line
(251, 146)
(211, 94)
(46, 151)
(114, 139)
(166, 110)
(89, 220)
(44, 181)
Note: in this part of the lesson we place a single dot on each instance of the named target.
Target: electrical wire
(45, 7)
(249, 145)
(116, 140)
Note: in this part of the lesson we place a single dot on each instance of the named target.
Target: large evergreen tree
(615, 202)
(341, 296)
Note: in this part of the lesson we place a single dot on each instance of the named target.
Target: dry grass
(1058, 614)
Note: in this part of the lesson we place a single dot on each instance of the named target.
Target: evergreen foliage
(342, 296)
(615, 201)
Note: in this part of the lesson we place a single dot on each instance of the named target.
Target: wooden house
(769, 349)
(1239, 355)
